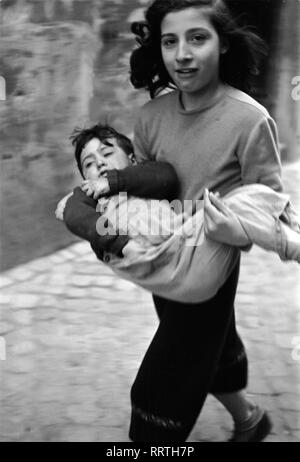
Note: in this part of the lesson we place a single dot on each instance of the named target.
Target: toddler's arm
(59, 212)
(80, 217)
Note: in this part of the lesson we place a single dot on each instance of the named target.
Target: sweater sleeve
(149, 178)
(80, 217)
(259, 156)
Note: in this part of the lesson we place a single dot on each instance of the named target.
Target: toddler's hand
(59, 212)
(133, 249)
(96, 188)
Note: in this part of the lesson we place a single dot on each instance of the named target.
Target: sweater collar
(209, 105)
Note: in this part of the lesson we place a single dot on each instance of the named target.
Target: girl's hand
(96, 188)
(221, 224)
(59, 212)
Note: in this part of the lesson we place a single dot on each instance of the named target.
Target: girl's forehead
(186, 19)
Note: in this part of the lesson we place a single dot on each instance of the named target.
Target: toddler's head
(101, 148)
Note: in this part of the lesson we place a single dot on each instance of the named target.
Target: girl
(217, 137)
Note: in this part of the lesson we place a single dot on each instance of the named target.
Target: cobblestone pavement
(75, 335)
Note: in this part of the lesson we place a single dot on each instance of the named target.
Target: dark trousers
(195, 351)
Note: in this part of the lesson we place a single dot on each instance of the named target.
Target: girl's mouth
(185, 73)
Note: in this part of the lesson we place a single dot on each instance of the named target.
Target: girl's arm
(259, 155)
(150, 179)
(259, 158)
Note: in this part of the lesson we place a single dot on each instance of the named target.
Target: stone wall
(56, 59)
(48, 70)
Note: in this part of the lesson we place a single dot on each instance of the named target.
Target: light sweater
(230, 143)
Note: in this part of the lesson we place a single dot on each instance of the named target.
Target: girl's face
(191, 49)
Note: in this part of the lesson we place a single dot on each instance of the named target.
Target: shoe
(255, 434)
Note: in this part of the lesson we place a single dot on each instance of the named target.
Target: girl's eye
(167, 43)
(198, 38)
(88, 165)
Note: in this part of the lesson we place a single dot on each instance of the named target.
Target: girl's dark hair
(238, 66)
(81, 136)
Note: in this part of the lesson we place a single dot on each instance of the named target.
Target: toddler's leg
(263, 229)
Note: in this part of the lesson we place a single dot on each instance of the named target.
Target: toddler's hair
(81, 136)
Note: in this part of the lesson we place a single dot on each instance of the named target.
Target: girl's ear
(224, 46)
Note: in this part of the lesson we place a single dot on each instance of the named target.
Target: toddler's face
(97, 158)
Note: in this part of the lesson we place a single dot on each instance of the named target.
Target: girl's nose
(183, 52)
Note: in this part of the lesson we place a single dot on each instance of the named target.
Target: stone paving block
(113, 434)
(258, 385)
(44, 434)
(289, 402)
(67, 254)
(20, 332)
(41, 280)
(75, 434)
(5, 298)
(77, 304)
(275, 368)
(89, 258)
(59, 277)
(296, 435)
(55, 290)
(23, 348)
(56, 259)
(23, 317)
(82, 413)
(46, 313)
(21, 273)
(25, 300)
(18, 365)
(76, 292)
(40, 265)
(285, 341)
(82, 280)
(81, 248)
(11, 431)
(5, 281)
(51, 301)
(288, 384)
(5, 327)
(13, 384)
(62, 270)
